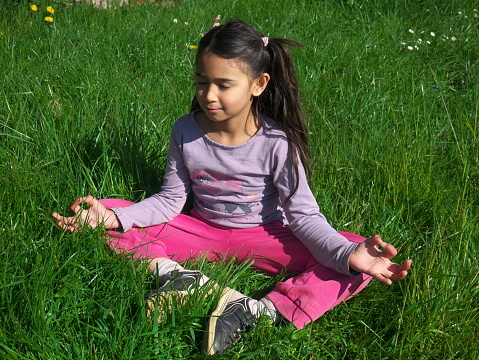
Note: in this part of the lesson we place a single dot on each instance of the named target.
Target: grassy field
(87, 101)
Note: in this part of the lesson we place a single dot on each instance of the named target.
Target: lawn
(87, 100)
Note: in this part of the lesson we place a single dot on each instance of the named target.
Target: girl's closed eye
(220, 86)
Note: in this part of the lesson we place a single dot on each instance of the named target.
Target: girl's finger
(75, 206)
(384, 278)
(62, 225)
(399, 271)
(399, 276)
(88, 200)
(374, 240)
(406, 265)
(389, 249)
(57, 216)
(70, 229)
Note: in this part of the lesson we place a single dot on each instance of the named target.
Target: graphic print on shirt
(222, 190)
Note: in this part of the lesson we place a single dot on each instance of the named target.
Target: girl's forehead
(215, 64)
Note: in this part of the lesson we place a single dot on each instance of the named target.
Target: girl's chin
(217, 115)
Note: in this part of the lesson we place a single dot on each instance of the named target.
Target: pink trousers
(272, 249)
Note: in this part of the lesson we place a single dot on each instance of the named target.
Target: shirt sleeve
(329, 248)
(168, 203)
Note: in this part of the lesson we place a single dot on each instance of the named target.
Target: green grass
(86, 106)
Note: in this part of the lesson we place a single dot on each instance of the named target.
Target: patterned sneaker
(229, 320)
(178, 285)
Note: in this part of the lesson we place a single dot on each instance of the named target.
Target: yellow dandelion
(50, 10)
(193, 47)
(49, 19)
(33, 7)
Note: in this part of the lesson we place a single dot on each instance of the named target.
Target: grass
(86, 106)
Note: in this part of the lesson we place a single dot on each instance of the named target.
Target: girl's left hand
(368, 259)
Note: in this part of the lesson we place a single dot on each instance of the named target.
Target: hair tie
(265, 40)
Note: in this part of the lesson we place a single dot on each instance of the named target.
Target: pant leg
(185, 237)
(307, 296)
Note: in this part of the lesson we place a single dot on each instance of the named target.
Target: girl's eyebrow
(220, 79)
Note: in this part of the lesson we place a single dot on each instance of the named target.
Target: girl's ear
(260, 84)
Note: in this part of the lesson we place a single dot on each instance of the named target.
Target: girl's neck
(228, 132)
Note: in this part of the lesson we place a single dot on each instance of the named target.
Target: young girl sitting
(243, 152)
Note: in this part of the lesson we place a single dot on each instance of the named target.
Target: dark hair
(279, 101)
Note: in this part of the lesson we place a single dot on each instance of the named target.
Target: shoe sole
(164, 301)
(209, 338)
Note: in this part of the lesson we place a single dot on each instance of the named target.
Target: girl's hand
(95, 215)
(368, 259)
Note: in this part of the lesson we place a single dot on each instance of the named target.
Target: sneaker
(178, 285)
(229, 320)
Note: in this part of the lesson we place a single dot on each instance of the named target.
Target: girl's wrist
(112, 221)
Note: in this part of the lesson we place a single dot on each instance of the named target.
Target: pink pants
(272, 248)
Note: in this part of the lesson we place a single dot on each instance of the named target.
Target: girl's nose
(210, 94)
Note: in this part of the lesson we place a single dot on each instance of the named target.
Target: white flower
(419, 40)
(453, 38)
(186, 23)
(432, 34)
(460, 12)
(403, 43)
(175, 20)
(410, 48)
(411, 31)
(428, 42)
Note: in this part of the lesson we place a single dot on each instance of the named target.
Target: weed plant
(87, 101)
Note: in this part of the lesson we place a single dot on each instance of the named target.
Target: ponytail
(280, 101)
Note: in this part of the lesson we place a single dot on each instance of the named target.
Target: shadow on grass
(126, 154)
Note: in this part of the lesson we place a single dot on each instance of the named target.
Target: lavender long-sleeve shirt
(240, 186)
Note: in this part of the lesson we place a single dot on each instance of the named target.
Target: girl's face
(224, 88)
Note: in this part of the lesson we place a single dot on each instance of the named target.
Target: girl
(243, 152)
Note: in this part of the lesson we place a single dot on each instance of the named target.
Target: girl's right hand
(96, 214)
